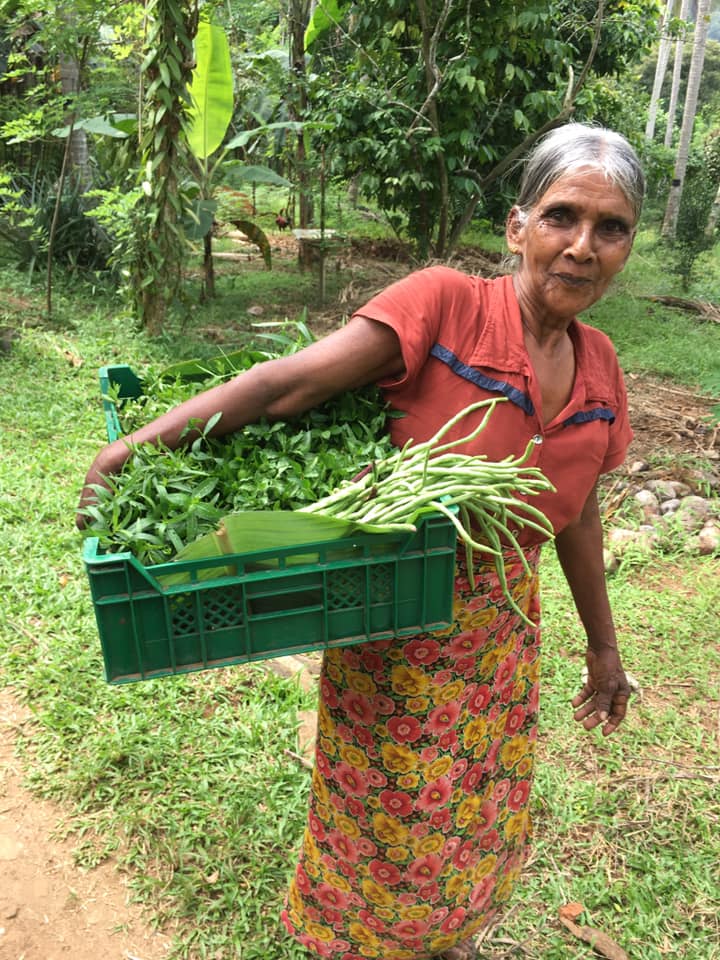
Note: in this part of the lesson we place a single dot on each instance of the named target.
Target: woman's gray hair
(576, 146)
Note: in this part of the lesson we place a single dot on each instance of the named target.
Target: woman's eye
(615, 227)
(557, 215)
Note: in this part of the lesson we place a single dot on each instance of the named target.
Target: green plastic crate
(370, 587)
(252, 606)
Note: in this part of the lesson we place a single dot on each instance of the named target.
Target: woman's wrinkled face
(576, 238)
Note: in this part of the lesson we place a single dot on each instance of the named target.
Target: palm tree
(660, 68)
(676, 76)
(691, 98)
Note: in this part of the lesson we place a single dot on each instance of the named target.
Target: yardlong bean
(480, 497)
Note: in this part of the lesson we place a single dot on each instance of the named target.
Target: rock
(7, 336)
(610, 561)
(681, 489)
(663, 489)
(639, 466)
(693, 513)
(708, 540)
(620, 538)
(649, 503)
(8, 909)
(669, 506)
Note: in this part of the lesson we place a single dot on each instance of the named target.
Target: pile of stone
(666, 509)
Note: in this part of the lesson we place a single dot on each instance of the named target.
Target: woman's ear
(513, 230)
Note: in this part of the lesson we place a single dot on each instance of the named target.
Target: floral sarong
(418, 819)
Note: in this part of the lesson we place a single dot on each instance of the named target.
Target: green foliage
(325, 16)
(33, 127)
(425, 103)
(164, 499)
(210, 91)
(119, 211)
(702, 180)
(27, 207)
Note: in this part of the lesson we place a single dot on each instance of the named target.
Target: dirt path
(50, 909)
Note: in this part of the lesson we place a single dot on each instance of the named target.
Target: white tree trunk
(676, 77)
(660, 69)
(688, 121)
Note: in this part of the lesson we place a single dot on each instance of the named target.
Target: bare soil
(50, 909)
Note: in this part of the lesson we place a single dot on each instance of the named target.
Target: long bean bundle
(395, 492)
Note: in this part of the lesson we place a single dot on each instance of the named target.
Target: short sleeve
(415, 307)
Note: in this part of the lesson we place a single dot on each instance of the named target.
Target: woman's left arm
(604, 697)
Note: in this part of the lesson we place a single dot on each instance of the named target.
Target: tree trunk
(676, 77)
(697, 60)
(660, 69)
(161, 242)
(208, 267)
(432, 82)
(79, 167)
(298, 13)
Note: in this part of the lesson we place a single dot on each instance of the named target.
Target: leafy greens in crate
(165, 499)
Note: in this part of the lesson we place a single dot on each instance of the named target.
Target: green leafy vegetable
(165, 499)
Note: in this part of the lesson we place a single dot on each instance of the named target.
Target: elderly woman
(418, 817)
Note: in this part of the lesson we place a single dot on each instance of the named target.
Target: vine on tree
(166, 69)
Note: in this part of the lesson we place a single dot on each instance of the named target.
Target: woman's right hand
(109, 461)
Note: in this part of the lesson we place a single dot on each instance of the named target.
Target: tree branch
(593, 50)
(430, 55)
(562, 117)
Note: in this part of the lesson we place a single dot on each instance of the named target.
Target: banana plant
(210, 114)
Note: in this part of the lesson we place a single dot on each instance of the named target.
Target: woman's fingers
(594, 709)
(585, 694)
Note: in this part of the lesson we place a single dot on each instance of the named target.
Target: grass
(629, 826)
(655, 339)
(185, 781)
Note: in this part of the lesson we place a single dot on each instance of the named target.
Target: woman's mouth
(572, 280)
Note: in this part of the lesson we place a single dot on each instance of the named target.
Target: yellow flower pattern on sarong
(418, 822)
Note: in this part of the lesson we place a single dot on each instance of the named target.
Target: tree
(298, 16)
(167, 68)
(211, 97)
(429, 107)
(676, 75)
(688, 121)
(660, 69)
(211, 94)
(48, 55)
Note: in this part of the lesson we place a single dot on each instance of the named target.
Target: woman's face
(576, 238)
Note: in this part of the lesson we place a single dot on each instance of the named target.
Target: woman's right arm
(364, 351)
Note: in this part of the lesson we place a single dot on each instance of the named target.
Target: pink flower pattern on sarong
(418, 822)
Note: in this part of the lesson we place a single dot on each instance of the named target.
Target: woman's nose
(581, 245)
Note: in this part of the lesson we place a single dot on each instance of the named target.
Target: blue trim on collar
(472, 374)
(585, 416)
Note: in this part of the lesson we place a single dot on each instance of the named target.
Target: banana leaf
(252, 531)
(219, 365)
(326, 15)
(211, 91)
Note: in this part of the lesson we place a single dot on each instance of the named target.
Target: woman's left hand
(604, 696)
